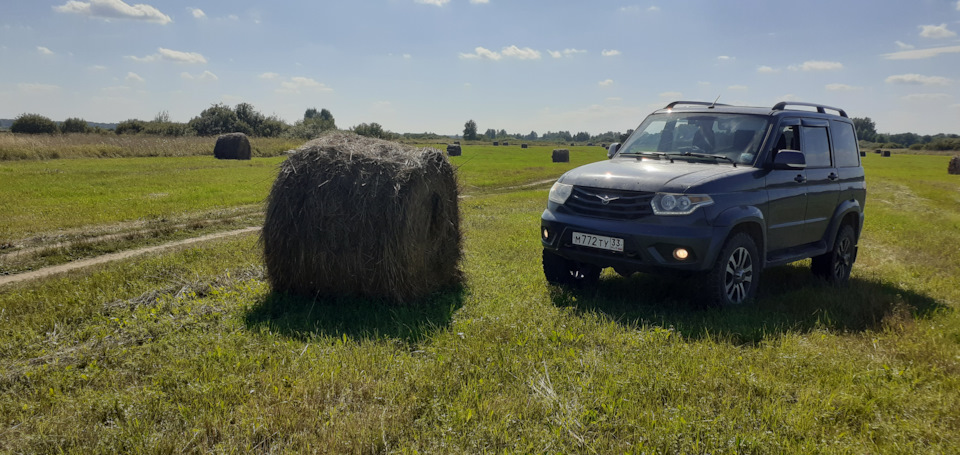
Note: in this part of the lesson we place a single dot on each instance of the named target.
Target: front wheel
(736, 274)
(836, 264)
(562, 271)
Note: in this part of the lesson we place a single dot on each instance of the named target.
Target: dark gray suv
(724, 191)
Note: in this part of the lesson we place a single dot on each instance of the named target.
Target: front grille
(610, 204)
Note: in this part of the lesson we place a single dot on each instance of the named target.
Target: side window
(816, 146)
(845, 147)
(789, 139)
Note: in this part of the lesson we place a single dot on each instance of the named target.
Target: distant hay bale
(506, 143)
(572, 144)
(878, 151)
(523, 146)
(495, 143)
(361, 217)
(603, 145)
(886, 153)
(862, 153)
(561, 156)
(954, 166)
(456, 142)
(232, 146)
(454, 150)
(589, 144)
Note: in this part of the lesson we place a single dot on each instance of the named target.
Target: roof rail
(820, 108)
(694, 103)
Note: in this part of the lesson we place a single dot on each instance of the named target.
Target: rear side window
(845, 149)
(816, 146)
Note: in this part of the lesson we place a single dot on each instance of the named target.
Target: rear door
(823, 181)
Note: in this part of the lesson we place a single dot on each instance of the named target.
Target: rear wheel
(836, 264)
(736, 274)
(562, 271)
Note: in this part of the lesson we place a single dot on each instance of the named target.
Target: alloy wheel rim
(738, 275)
(842, 258)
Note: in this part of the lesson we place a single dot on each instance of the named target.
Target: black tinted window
(845, 148)
(816, 146)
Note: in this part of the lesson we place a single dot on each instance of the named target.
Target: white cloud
(434, 2)
(653, 9)
(816, 65)
(134, 77)
(44, 50)
(917, 54)
(233, 17)
(407, 56)
(565, 52)
(197, 13)
(521, 53)
(630, 9)
(610, 53)
(297, 85)
(958, 5)
(936, 31)
(555, 54)
(767, 70)
(606, 83)
(841, 88)
(204, 76)
(726, 58)
(479, 2)
(97, 68)
(903, 46)
(481, 52)
(268, 76)
(927, 97)
(918, 79)
(36, 89)
(171, 55)
(738, 88)
(114, 9)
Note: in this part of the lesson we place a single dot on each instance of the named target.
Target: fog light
(546, 234)
(681, 254)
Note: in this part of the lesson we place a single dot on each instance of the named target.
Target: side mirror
(612, 150)
(789, 160)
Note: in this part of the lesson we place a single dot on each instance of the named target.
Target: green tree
(272, 127)
(490, 133)
(470, 130)
(532, 136)
(250, 120)
(866, 129)
(33, 124)
(371, 130)
(131, 126)
(74, 125)
(215, 120)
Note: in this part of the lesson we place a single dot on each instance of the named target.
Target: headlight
(678, 204)
(560, 192)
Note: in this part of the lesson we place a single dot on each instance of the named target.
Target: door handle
(833, 177)
(800, 178)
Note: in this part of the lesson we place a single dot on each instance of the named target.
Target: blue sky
(431, 65)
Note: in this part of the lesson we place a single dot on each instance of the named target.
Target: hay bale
(362, 217)
(862, 153)
(878, 151)
(954, 167)
(603, 145)
(589, 144)
(505, 143)
(572, 144)
(232, 146)
(561, 156)
(495, 143)
(523, 146)
(454, 150)
(886, 153)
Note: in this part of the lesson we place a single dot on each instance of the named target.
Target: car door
(786, 192)
(823, 185)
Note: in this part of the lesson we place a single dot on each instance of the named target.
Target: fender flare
(733, 217)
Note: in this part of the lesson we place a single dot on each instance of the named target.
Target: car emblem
(606, 199)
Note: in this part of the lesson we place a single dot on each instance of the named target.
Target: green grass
(190, 351)
(16, 147)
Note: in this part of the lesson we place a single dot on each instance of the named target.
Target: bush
(74, 125)
(33, 124)
(132, 126)
(216, 120)
(310, 128)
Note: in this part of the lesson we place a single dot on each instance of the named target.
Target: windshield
(730, 137)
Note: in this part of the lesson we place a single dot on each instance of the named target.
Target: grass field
(189, 351)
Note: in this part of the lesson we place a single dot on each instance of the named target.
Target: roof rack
(820, 108)
(694, 103)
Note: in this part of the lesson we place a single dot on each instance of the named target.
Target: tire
(735, 276)
(562, 271)
(836, 264)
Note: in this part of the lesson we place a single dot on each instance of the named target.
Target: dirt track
(47, 271)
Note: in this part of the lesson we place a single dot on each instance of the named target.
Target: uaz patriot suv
(724, 191)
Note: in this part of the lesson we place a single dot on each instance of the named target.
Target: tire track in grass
(71, 266)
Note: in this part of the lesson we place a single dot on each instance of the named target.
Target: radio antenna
(714, 102)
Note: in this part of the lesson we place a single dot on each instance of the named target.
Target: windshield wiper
(658, 155)
(707, 155)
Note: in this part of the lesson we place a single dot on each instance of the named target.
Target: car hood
(631, 174)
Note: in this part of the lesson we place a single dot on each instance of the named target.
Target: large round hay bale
(232, 146)
(954, 166)
(454, 150)
(523, 146)
(561, 156)
(886, 153)
(862, 153)
(496, 143)
(506, 143)
(361, 217)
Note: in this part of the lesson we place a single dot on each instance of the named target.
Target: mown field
(190, 352)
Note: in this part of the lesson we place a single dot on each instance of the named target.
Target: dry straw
(561, 156)
(362, 217)
(954, 166)
(232, 146)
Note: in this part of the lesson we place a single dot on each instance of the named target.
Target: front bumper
(649, 243)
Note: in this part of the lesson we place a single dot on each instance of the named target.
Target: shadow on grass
(790, 299)
(304, 318)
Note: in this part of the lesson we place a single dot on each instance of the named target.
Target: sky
(519, 65)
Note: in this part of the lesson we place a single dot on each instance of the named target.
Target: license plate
(598, 241)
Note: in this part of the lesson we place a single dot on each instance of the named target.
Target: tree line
(470, 134)
(870, 138)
